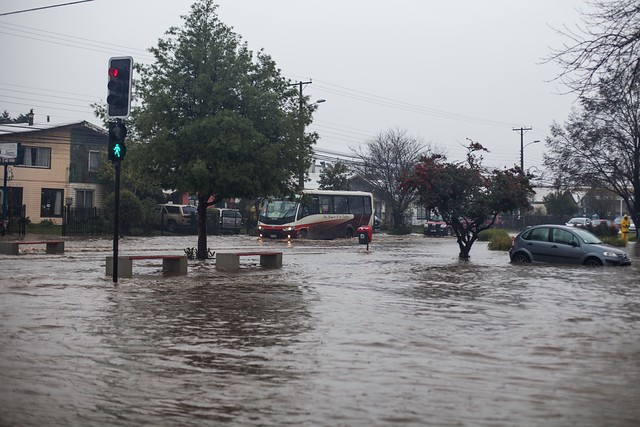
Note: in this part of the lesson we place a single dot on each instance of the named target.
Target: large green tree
(560, 203)
(218, 120)
(468, 196)
(335, 177)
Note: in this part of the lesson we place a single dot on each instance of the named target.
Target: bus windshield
(278, 212)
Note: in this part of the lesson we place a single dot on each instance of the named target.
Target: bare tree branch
(608, 44)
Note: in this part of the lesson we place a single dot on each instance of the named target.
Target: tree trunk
(203, 252)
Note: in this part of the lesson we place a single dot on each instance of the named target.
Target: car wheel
(593, 262)
(302, 234)
(520, 258)
(171, 226)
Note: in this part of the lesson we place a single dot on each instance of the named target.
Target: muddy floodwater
(401, 334)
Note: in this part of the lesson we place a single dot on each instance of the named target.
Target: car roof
(174, 204)
(560, 226)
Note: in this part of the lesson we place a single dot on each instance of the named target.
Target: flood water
(402, 334)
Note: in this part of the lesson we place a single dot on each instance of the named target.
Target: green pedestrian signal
(117, 134)
(117, 151)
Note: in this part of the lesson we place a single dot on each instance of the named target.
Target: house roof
(14, 128)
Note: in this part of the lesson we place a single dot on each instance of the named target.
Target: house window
(94, 161)
(51, 202)
(84, 199)
(37, 157)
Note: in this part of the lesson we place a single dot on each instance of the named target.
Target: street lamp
(522, 147)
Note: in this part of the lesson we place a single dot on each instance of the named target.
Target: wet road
(403, 334)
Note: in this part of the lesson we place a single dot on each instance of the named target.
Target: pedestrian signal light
(117, 134)
(119, 87)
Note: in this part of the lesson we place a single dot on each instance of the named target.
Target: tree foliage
(217, 120)
(599, 145)
(607, 44)
(386, 162)
(601, 202)
(131, 210)
(467, 196)
(5, 118)
(560, 203)
(335, 177)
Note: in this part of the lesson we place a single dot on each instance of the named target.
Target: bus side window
(304, 211)
(325, 204)
(356, 205)
(315, 205)
(340, 205)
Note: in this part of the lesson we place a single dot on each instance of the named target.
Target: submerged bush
(613, 240)
(487, 235)
(500, 243)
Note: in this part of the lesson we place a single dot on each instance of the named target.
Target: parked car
(436, 226)
(601, 222)
(578, 222)
(230, 220)
(564, 244)
(173, 217)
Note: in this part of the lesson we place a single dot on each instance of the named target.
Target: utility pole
(522, 130)
(301, 171)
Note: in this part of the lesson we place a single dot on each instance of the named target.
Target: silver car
(578, 222)
(562, 244)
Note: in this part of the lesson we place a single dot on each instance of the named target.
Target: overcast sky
(444, 70)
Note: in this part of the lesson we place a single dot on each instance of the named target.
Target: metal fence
(519, 222)
(85, 222)
(16, 221)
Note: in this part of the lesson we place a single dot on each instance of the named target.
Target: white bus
(317, 214)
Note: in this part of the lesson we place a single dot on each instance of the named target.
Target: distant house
(57, 165)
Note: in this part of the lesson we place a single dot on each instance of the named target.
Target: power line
(66, 40)
(388, 102)
(44, 7)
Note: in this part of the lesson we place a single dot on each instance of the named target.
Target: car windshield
(188, 210)
(587, 237)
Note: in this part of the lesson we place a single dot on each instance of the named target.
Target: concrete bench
(13, 247)
(231, 260)
(171, 264)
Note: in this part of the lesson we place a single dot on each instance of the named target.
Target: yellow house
(56, 166)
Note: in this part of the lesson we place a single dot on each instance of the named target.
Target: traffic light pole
(120, 74)
(116, 221)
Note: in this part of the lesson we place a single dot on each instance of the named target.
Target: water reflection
(401, 334)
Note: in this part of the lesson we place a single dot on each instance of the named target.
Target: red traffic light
(119, 87)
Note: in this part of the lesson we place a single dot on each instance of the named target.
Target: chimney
(31, 117)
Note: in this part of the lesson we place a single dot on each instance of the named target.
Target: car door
(565, 246)
(538, 245)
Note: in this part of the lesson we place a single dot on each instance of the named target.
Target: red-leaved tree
(468, 196)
